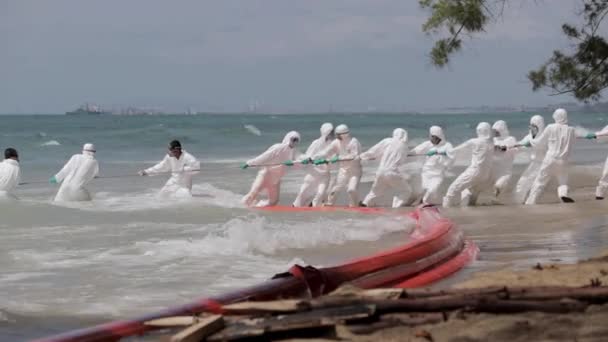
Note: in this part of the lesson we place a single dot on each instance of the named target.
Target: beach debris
(204, 327)
(424, 334)
(350, 311)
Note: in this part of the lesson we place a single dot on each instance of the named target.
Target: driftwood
(200, 330)
(318, 319)
(355, 311)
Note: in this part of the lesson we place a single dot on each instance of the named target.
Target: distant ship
(88, 109)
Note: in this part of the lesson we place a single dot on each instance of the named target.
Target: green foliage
(583, 72)
(456, 17)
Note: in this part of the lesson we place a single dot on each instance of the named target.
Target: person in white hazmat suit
(182, 166)
(502, 166)
(471, 182)
(269, 177)
(559, 138)
(314, 189)
(439, 159)
(10, 174)
(349, 172)
(392, 153)
(80, 170)
(537, 154)
(602, 186)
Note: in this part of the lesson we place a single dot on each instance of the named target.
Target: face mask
(435, 139)
(533, 130)
(293, 142)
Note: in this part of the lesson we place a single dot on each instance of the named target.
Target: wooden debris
(353, 311)
(257, 308)
(318, 319)
(176, 321)
(200, 330)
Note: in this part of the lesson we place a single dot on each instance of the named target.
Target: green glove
(244, 166)
(334, 159)
(288, 163)
(306, 161)
(590, 136)
(528, 144)
(319, 161)
(53, 180)
(431, 153)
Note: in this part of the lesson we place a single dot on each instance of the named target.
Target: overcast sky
(293, 54)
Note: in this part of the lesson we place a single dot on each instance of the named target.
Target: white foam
(253, 234)
(51, 143)
(253, 130)
(202, 194)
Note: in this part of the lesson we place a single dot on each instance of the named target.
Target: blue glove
(431, 153)
(288, 163)
(244, 166)
(53, 180)
(590, 136)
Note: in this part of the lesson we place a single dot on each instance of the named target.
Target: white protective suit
(536, 158)
(269, 178)
(349, 172)
(179, 184)
(435, 167)
(602, 185)
(502, 165)
(76, 174)
(314, 189)
(470, 183)
(392, 153)
(559, 138)
(10, 175)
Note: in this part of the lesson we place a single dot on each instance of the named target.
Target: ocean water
(127, 252)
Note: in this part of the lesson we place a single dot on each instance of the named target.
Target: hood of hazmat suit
(560, 116)
(484, 130)
(438, 132)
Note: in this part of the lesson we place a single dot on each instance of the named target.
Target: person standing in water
(439, 159)
(472, 181)
(182, 166)
(10, 173)
(314, 188)
(559, 139)
(502, 166)
(390, 176)
(522, 189)
(349, 173)
(269, 177)
(79, 171)
(602, 185)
